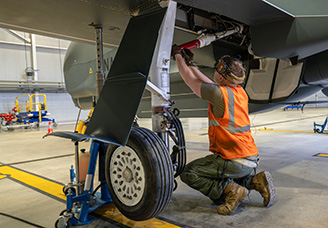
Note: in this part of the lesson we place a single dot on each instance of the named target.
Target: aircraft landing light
(321, 155)
(54, 190)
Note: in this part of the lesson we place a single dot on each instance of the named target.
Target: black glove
(175, 50)
(188, 57)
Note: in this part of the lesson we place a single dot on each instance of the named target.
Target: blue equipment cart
(32, 108)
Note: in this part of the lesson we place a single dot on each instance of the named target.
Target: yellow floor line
(55, 189)
(271, 130)
(268, 129)
(34, 181)
(322, 155)
(111, 212)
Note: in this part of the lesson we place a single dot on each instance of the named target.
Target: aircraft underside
(284, 61)
(270, 82)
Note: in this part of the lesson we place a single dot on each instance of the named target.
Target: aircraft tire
(140, 175)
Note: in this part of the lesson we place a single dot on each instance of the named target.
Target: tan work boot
(262, 182)
(235, 194)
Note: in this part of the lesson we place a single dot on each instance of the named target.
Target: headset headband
(223, 69)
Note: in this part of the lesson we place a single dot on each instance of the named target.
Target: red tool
(206, 39)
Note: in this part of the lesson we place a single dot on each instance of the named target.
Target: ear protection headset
(223, 69)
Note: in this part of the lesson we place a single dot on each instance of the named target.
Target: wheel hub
(127, 175)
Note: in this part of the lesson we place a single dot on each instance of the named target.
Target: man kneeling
(227, 174)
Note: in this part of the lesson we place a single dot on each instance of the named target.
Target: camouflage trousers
(211, 174)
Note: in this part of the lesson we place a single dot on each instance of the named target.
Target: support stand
(321, 127)
(79, 203)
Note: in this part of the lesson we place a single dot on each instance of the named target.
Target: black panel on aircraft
(120, 97)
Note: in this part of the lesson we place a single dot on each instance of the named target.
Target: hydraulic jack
(82, 200)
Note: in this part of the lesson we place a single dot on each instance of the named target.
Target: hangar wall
(319, 96)
(15, 58)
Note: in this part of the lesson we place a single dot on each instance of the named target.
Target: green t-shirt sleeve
(212, 93)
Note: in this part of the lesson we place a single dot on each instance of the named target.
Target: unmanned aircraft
(282, 44)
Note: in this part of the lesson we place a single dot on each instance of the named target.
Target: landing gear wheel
(140, 175)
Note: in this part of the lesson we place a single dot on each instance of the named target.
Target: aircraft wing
(69, 20)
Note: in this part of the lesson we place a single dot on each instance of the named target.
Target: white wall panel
(15, 57)
(62, 109)
(13, 62)
(50, 64)
(7, 101)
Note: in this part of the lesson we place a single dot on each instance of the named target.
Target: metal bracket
(157, 91)
(18, 36)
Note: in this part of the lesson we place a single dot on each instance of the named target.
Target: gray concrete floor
(286, 146)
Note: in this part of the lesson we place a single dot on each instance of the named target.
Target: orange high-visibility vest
(230, 136)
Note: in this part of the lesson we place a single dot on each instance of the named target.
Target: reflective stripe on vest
(231, 127)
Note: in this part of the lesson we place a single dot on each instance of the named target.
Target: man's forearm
(184, 70)
(198, 74)
(187, 75)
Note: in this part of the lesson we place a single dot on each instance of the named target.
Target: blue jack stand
(80, 203)
(322, 127)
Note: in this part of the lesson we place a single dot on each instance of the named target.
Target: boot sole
(272, 189)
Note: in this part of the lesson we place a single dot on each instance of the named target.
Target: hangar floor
(32, 167)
